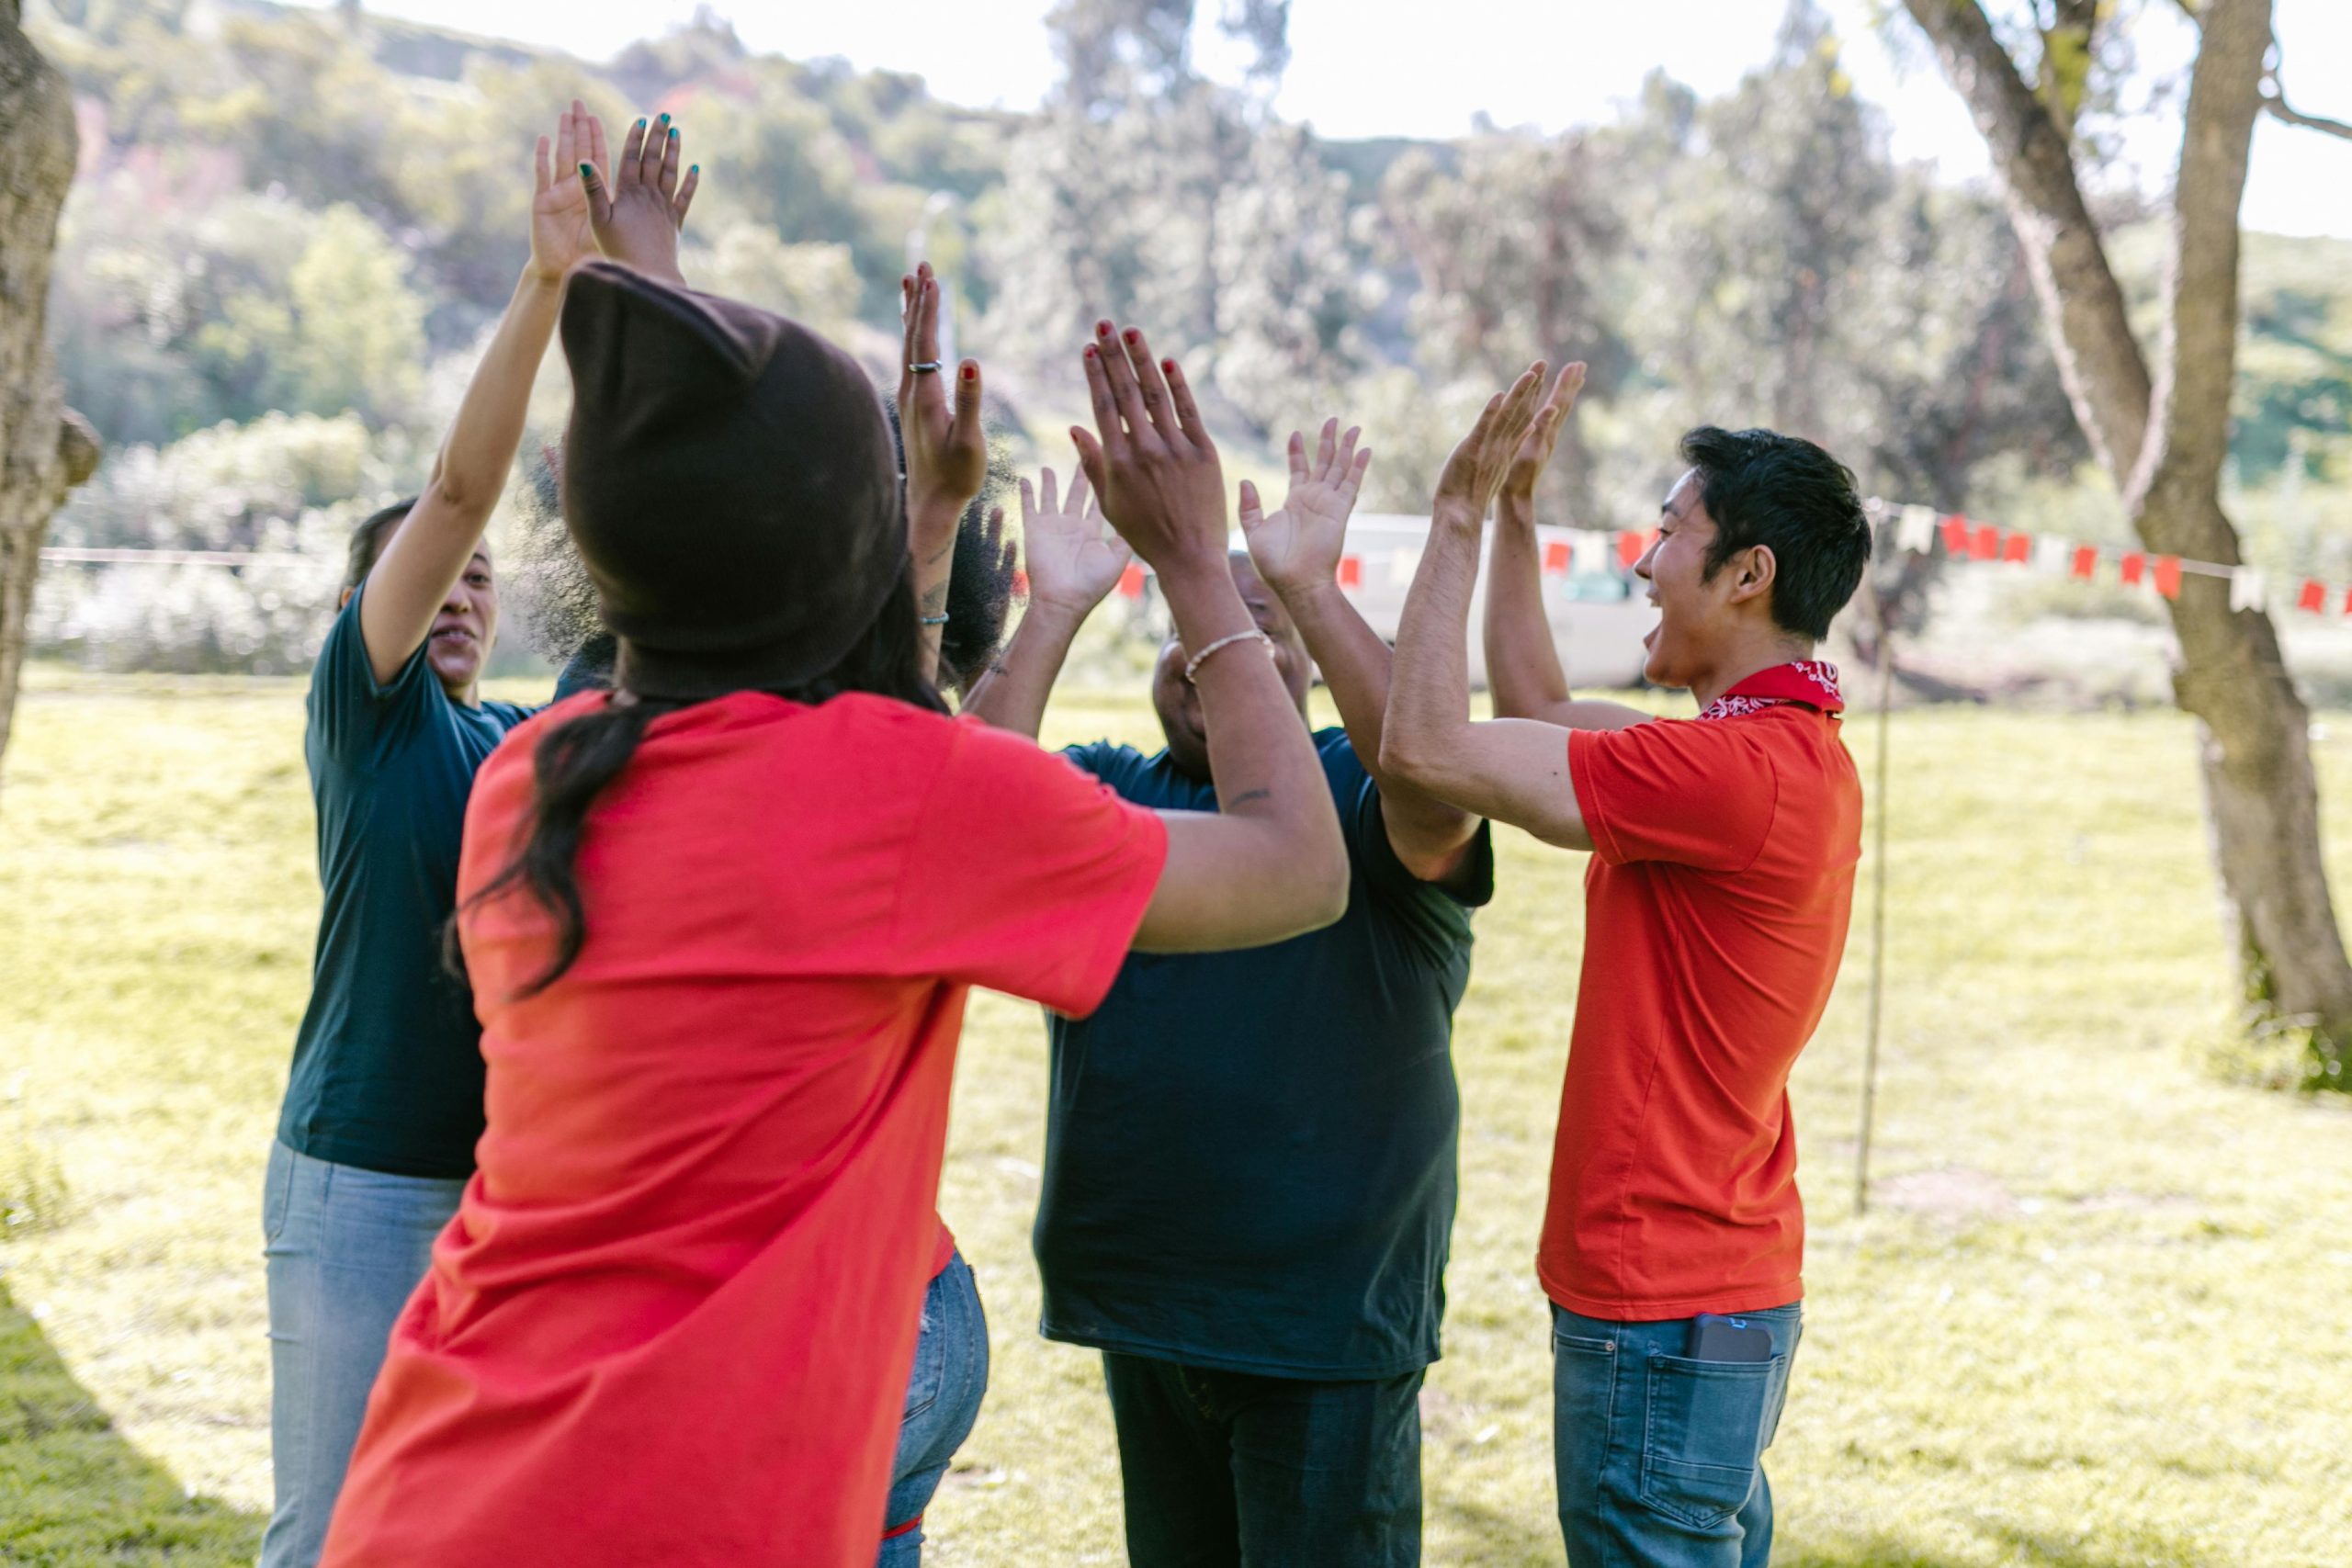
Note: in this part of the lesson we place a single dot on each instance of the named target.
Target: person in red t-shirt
(1716, 901)
(721, 923)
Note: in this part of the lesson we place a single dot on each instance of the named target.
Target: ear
(1752, 575)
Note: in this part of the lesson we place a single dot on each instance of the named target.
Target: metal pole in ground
(1878, 915)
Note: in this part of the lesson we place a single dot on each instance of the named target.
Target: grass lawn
(2095, 1318)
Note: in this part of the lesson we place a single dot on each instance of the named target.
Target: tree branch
(2106, 375)
(2275, 104)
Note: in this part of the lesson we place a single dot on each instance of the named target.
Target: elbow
(1329, 890)
(1403, 756)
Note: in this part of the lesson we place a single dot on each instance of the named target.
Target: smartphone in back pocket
(1717, 1338)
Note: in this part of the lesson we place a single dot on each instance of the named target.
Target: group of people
(601, 1223)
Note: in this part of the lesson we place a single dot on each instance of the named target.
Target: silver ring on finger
(924, 367)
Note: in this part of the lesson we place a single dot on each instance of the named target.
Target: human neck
(1744, 659)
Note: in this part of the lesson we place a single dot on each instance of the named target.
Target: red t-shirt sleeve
(1693, 793)
(1026, 874)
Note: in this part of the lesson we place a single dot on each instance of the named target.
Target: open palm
(1300, 544)
(1072, 566)
(561, 235)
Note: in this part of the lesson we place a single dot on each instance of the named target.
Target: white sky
(1405, 67)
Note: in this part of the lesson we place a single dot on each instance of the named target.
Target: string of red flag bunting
(1918, 530)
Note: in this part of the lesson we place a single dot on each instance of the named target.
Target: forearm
(1013, 693)
(1355, 665)
(1524, 673)
(933, 542)
(1279, 863)
(470, 470)
(1428, 680)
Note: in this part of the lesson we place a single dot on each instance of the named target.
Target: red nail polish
(971, 373)
(1133, 336)
(1102, 328)
(1090, 350)
(1169, 366)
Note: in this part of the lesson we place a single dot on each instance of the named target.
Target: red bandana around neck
(1810, 682)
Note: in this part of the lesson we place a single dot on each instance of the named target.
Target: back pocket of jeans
(1703, 1436)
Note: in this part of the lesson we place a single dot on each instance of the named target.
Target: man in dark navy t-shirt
(1249, 1157)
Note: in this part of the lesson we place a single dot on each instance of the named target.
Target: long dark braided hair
(574, 762)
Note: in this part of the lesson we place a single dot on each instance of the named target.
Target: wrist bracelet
(1193, 664)
(934, 620)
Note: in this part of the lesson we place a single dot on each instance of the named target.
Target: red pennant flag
(1350, 573)
(2314, 597)
(1956, 537)
(2087, 561)
(1556, 558)
(2168, 576)
(1629, 548)
(2135, 568)
(2019, 547)
(1131, 581)
(1988, 542)
(1020, 583)
(2347, 601)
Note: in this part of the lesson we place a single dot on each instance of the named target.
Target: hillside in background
(293, 226)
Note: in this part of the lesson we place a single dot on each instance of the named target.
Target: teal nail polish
(587, 171)
(665, 119)
(673, 133)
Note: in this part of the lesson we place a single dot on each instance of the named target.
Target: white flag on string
(2052, 555)
(1591, 553)
(2248, 589)
(1914, 529)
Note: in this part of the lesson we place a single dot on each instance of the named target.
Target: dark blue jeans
(1661, 1457)
(951, 1373)
(1227, 1470)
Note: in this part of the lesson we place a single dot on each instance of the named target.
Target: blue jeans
(951, 1373)
(1660, 1457)
(344, 1246)
(1231, 1468)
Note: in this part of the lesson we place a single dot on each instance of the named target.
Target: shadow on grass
(73, 1491)
(1498, 1539)
(2028, 1549)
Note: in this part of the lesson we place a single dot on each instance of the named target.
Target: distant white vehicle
(1599, 617)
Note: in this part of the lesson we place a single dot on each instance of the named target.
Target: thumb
(1090, 457)
(1253, 511)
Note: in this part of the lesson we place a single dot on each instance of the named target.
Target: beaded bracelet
(1194, 664)
(934, 620)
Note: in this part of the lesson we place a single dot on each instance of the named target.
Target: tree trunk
(2165, 440)
(45, 449)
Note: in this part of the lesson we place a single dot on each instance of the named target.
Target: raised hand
(1298, 547)
(637, 215)
(1534, 454)
(1072, 566)
(1149, 456)
(561, 235)
(948, 449)
(1466, 486)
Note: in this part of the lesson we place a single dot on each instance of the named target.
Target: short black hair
(1784, 492)
(367, 539)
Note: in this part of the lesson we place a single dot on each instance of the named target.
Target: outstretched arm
(1071, 567)
(1513, 770)
(1297, 552)
(421, 561)
(947, 453)
(1523, 670)
(1269, 863)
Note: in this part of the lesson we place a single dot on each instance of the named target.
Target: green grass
(2096, 1317)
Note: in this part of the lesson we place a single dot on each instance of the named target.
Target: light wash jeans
(951, 1373)
(1661, 1457)
(346, 1247)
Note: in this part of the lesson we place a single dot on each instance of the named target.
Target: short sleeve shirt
(674, 1318)
(1249, 1157)
(386, 1070)
(1717, 901)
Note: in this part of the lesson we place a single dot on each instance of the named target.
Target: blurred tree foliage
(314, 214)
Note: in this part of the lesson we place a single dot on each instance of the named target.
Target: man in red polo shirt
(1724, 850)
